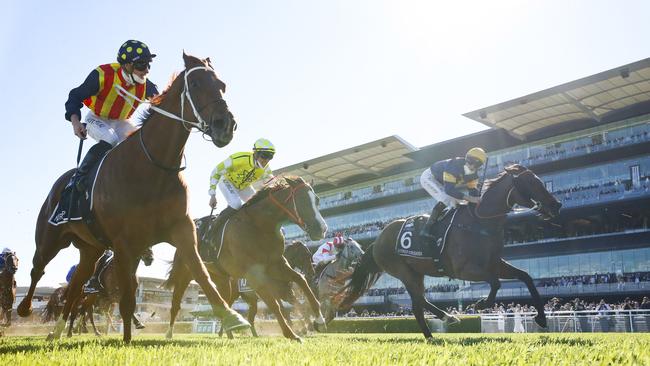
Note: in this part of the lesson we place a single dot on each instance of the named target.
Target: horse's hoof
(24, 311)
(321, 328)
(234, 321)
(297, 339)
(430, 340)
(50, 337)
(140, 326)
(450, 319)
(98, 334)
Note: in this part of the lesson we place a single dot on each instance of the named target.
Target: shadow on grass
(39, 345)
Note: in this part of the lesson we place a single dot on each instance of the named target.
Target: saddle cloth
(210, 238)
(243, 286)
(411, 244)
(74, 205)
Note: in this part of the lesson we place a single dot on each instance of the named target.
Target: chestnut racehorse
(140, 197)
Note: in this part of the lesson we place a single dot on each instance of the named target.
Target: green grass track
(334, 349)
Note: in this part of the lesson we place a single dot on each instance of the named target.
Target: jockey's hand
(472, 199)
(213, 201)
(78, 127)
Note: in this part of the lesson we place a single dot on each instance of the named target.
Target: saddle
(209, 245)
(74, 205)
(411, 244)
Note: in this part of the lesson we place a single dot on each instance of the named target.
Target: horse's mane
(276, 184)
(510, 169)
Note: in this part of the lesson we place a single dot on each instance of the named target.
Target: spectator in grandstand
(604, 311)
(450, 182)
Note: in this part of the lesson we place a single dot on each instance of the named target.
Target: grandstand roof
(585, 102)
(370, 160)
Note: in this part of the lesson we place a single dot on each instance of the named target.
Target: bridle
(293, 213)
(536, 205)
(200, 123)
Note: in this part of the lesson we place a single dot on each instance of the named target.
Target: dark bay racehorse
(253, 248)
(140, 198)
(54, 305)
(333, 277)
(108, 295)
(473, 249)
(8, 287)
(299, 258)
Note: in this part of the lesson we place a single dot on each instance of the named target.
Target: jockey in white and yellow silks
(237, 176)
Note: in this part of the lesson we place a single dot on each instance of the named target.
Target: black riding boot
(93, 285)
(94, 155)
(436, 213)
(219, 222)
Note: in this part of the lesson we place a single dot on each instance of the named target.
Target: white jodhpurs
(235, 197)
(112, 131)
(436, 190)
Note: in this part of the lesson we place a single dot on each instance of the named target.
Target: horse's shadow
(475, 340)
(36, 344)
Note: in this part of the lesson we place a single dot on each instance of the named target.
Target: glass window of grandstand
(608, 263)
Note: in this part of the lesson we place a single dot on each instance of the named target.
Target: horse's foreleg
(43, 255)
(508, 271)
(90, 313)
(182, 281)
(88, 256)
(471, 272)
(284, 272)
(124, 265)
(252, 311)
(414, 283)
(272, 303)
(184, 239)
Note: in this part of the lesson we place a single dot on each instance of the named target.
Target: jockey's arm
(450, 181)
(217, 172)
(88, 88)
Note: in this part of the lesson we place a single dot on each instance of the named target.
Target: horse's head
(147, 257)
(518, 185)
(531, 192)
(350, 253)
(11, 262)
(299, 256)
(301, 206)
(202, 95)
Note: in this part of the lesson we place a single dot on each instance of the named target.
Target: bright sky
(314, 77)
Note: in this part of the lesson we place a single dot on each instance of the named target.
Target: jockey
(451, 181)
(108, 120)
(5, 251)
(328, 251)
(93, 285)
(236, 177)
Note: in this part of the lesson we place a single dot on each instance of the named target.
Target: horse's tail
(49, 311)
(365, 274)
(175, 268)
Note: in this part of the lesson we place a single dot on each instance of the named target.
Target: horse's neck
(263, 214)
(163, 137)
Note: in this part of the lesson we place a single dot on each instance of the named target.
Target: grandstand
(586, 139)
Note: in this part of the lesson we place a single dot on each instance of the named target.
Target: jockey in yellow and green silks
(237, 176)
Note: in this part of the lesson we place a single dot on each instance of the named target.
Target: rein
(201, 125)
(508, 204)
(293, 215)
